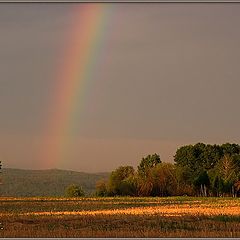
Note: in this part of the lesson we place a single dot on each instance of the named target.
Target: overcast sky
(169, 76)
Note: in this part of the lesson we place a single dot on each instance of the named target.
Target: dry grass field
(120, 217)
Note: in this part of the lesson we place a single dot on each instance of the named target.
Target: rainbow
(73, 75)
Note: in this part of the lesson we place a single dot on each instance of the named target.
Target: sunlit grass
(120, 217)
(161, 210)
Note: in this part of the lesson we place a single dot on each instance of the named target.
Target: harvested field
(120, 217)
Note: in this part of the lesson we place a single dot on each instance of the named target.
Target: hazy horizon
(163, 76)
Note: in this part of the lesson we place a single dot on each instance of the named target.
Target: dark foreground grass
(16, 223)
(120, 226)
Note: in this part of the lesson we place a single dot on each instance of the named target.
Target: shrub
(74, 191)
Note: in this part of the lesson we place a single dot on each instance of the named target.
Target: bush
(74, 191)
(101, 188)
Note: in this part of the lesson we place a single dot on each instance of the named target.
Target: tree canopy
(74, 191)
(199, 170)
(147, 163)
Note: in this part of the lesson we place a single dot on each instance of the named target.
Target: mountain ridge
(50, 182)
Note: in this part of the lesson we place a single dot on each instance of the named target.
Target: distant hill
(20, 183)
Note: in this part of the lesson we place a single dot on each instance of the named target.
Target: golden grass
(120, 217)
(174, 210)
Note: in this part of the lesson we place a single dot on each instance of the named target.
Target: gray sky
(168, 75)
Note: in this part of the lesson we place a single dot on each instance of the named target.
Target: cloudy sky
(167, 75)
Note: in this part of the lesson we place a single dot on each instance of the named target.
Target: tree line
(198, 170)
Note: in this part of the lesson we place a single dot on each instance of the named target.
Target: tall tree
(144, 176)
(227, 168)
(184, 180)
(118, 180)
(230, 149)
(164, 180)
(202, 183)
(147, 164)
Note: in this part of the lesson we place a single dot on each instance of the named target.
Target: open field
(120, 217)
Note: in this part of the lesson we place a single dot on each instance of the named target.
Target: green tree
(74, 191)
(184, 180)
(198, 157)
(186, 156)
(228, 169)
(101, 188)
(202, 183)
(193, 160)
(128, 186)
(164, 180)
(118, 180)
(144, 185)
(148, 163)
(144, 176)
(217, 186)
(230, 149)
(211, 155)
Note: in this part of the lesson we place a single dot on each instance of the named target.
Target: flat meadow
(120, 217)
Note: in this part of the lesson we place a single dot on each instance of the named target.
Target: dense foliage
(74, 191)
(199, 170)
